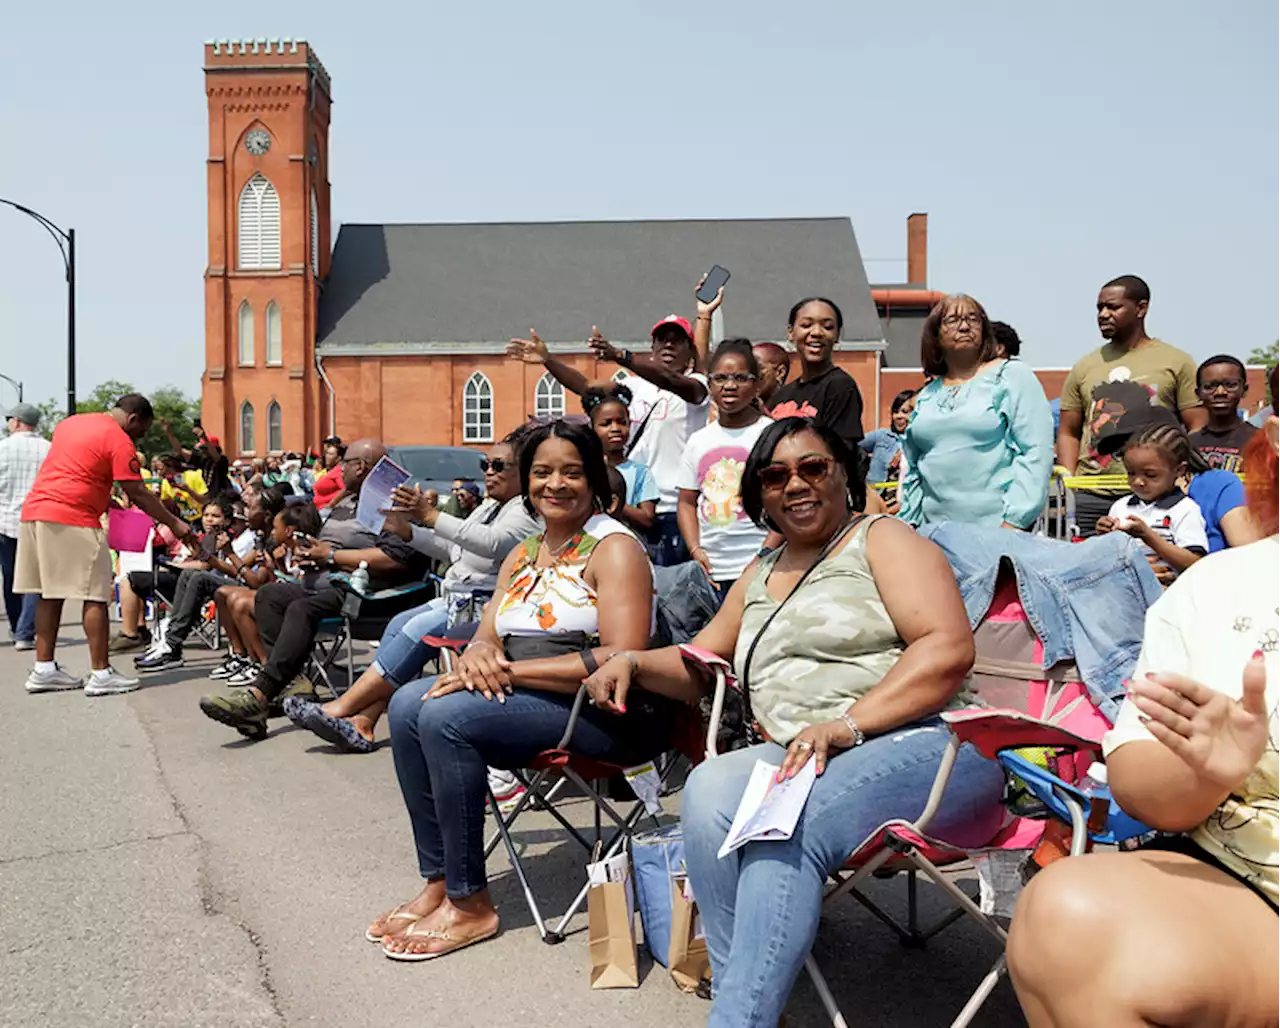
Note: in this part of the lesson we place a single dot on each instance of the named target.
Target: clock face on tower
(257, 142)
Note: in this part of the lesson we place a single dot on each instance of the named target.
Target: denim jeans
(668, 547)
(443, 748)
(402, 653)
(20, 610)
(760, 904)
(194, 589)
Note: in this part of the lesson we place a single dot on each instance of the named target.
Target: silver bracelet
(630, 657)
(858, 737)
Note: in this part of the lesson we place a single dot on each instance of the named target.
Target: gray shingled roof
(427, 286)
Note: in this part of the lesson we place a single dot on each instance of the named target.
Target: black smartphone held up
(195, 423)
(716, 278)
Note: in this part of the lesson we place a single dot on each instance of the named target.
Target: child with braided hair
(1157, 511)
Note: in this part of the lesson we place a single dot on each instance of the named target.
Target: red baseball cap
(679, 322)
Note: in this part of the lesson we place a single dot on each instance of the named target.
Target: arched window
(315, 235)
(244, 331)
(275, 429)
(548, 398)
(477, 410)
(258, 231)
(246, 427)
(275, 334)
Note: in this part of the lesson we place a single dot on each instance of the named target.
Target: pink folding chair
(1024, 705)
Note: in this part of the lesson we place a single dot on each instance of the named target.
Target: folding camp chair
(364, 617)
(1030, 707)
(208, 628)
(544, 780)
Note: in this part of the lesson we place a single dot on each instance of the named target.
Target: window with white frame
(315, 235)
(548, 398)
(244, 334)
(258, 225)
(477, 410)
(275, 334)
(275, 428)
(246, 427)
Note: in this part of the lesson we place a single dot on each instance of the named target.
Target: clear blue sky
(1054, 146)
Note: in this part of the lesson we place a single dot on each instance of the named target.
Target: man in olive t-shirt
(1129, 370)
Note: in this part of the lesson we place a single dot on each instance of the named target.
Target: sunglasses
(813, 470)
(497, 466)
(738, 377)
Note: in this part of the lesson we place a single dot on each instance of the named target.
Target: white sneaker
(56, 680)
(110, 685)
(24, 644)
(506, 788)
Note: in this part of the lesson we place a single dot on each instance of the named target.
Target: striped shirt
(21, 455)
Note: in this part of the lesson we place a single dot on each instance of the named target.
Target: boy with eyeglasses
(1221, 384)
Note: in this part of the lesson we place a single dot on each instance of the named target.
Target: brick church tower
(269, 245)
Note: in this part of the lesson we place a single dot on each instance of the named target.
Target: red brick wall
(279, 99)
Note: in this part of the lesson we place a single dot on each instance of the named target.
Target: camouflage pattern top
(831, 642)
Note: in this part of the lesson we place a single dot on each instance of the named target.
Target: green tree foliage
(170, 406)
(1265, 355)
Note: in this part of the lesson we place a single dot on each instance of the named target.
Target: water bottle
(360, 578)
(1094, 787)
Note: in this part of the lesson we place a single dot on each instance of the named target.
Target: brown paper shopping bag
(687, 959)
(611, 937)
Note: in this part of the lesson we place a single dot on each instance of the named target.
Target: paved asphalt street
(157, 871)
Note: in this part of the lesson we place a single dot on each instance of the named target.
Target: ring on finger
(804, 744)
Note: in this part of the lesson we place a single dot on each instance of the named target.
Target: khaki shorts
(63, 562)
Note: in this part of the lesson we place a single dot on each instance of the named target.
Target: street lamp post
(67, 247)
(16, 385)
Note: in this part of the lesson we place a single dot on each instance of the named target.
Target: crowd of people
(843, 620)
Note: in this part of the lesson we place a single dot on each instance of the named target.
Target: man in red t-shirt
(62, 546)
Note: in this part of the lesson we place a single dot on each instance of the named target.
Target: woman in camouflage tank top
(849, 639)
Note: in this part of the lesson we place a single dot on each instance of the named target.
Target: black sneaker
(161, 660)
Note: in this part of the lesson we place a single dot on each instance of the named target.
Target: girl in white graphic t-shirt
(715, 528)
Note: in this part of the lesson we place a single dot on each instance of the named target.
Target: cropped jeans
(760, 904)
(402, 654)
(443, 748)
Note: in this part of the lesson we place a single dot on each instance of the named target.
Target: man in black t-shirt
(823, 392)
(1221, 384)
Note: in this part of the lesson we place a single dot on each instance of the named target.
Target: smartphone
(195, 423)
(716, 278)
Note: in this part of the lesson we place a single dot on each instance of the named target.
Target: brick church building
(399, 330)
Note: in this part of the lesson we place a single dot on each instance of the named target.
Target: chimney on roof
(918, 249)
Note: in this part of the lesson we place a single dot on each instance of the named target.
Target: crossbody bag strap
(745, 680)
(644, 423)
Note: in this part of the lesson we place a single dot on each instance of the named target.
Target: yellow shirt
(189, 507)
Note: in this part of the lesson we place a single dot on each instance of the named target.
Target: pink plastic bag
(127, 530)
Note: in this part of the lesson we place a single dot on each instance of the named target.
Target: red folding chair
(544, 780)
(1039, 709)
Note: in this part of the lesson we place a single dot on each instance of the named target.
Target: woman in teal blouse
(979, 447)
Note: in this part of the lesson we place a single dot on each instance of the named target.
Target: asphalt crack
(210, 899)
(103, 848)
